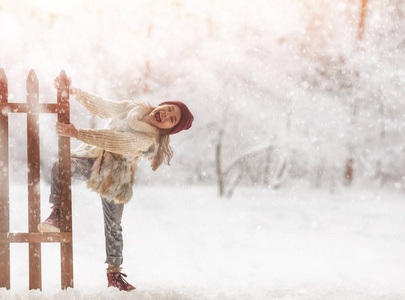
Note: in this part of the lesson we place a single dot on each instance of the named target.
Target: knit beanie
(186, 119)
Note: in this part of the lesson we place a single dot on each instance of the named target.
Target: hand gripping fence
(32, 108)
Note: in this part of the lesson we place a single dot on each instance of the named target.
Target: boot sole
(47, 228)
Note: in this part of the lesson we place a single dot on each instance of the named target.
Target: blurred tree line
(282, 92)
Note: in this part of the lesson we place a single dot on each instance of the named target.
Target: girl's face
(165, 116)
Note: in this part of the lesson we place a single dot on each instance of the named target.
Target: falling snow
(288, 101)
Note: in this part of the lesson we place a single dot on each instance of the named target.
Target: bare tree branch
(246, 157)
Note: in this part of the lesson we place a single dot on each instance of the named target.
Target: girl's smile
(165, 116)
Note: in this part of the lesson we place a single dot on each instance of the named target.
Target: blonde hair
(164, 152)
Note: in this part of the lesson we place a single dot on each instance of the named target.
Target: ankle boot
(51, 224)
(116, 279)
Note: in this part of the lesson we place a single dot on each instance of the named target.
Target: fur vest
(112, 177)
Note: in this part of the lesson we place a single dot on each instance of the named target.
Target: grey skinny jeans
(80, 169)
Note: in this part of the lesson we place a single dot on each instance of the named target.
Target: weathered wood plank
(4, 185)
(33, 160)
(65, 190)
(37, 237)
(52, 108)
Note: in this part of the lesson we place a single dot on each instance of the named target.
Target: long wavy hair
(164, 152)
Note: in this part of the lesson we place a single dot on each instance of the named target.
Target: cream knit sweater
(126, 134)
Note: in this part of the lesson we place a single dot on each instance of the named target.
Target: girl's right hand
(56, 84)
(67, 130)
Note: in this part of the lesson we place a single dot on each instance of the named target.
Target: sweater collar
(149, 128)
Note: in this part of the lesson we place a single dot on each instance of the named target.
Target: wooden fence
(32, 108)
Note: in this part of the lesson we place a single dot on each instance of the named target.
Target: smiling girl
(108, 159)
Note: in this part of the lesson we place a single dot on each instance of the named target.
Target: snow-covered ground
(186, 243)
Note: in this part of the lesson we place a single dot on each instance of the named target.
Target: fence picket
(66, 249)
(33, 160)
(4, 186)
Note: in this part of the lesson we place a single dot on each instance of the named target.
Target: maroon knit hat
(186, 119)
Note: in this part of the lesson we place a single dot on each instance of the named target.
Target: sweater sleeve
(99, 106)
(125, 143)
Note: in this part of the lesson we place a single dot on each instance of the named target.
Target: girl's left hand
(68, 130)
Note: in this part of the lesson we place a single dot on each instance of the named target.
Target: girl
(108, 159)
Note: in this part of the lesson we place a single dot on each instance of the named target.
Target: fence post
(66, 249)
(34, 200)
(4, 185)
